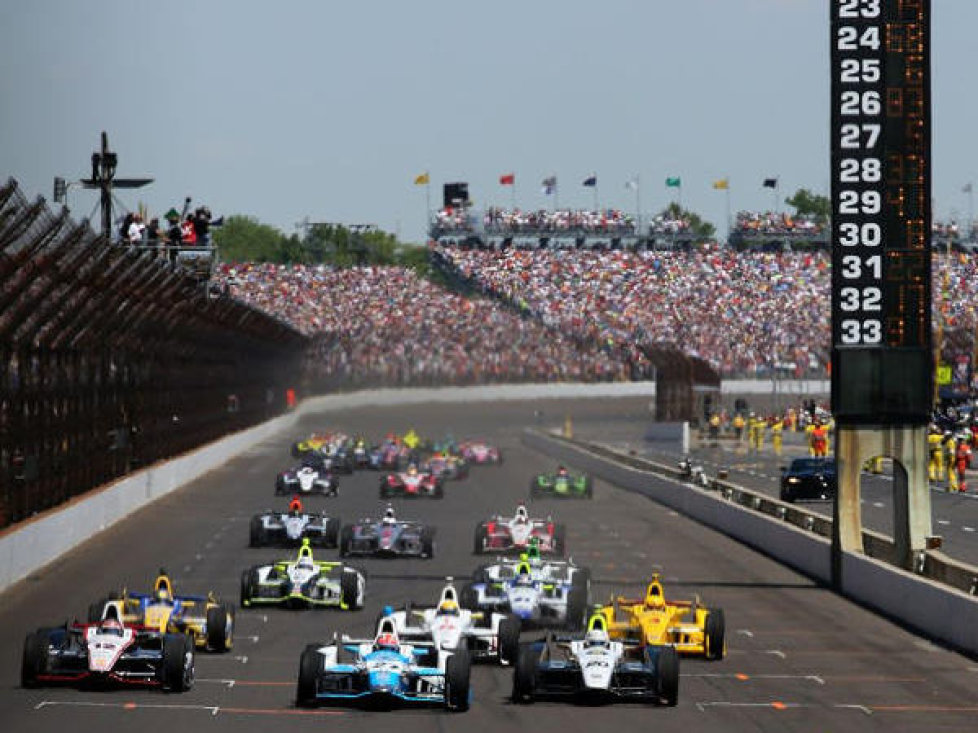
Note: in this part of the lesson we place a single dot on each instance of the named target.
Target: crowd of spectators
(774, 223)
(744, 313)
(388, 325)
(517, 221)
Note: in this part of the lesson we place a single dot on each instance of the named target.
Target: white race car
(593, 667)
(449, 626)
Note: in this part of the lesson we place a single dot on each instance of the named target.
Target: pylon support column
(907, 446)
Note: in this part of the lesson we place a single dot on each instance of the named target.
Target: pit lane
(800, 658)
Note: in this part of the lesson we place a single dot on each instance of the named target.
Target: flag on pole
(968, 188)
(590, 181)
(507, 179)
(722, 185)
(549, 185)
(632, 184)
(422, 180)
(770, 183)
(674, 182)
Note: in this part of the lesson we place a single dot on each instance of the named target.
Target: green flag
(674, 182)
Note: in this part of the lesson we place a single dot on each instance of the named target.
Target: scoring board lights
(881, 320)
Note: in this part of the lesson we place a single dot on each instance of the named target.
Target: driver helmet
(412, 470)
(448, 608)
(521, 516)
(386, 641)
(295, 506)
(389, 516)
(595, 637)
(523, 576)
(305, 561)
(111, 626)
(561, 470)
(162, 594)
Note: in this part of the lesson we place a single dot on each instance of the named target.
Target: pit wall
(942, 613)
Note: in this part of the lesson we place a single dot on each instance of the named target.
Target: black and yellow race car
(208, 622)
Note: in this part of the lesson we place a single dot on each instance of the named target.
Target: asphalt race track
(799, 657)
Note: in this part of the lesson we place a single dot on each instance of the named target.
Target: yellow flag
(722, 185)
(423, 179)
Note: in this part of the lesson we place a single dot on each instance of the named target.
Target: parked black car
(809, 478)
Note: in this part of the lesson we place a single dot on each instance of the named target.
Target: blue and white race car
(538, 602)
(383, 673)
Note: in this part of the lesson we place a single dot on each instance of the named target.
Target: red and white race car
(502, 534)
(480, 453)
(412, 483)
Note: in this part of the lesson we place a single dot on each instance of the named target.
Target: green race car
(561, 484)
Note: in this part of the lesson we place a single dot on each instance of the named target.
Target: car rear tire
(479, 545)
(350, 590)
(427, 543)
(525, 676)
(457, 672)
(560, 539)
(714, 632)
(346, 539)
(305, 692)
(509, 639)
(331, 537)
(468, 598)
(257, 533)
(220, 628)
(248, 586)
(35, 660)
(576, 608)
(178, 663)
(667, 675)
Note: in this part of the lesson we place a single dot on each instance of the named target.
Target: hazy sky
(330, 108)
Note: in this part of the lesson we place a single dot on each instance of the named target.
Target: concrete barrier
(37, 542)
(943, 613)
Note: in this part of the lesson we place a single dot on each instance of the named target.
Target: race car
(107, 652)
(493, 636)
(303, 583)
(311, 445)
(289, 528)
(561, 484)
(390, 455)
(383, 673)
(595, 668)
(546, 570)
(687, 626)
(446, 467)
(388, 537)
(207, 622)
(537, 603)
(312, 477)
(360, 451)
(504, 534)
(479, 453)
(338, 455)
(412, 483)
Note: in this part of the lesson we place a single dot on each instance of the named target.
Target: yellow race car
(208, 623)
(686, 625)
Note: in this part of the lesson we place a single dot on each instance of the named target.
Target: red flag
(509, 179)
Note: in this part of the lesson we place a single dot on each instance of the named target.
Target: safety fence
(113, 358)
